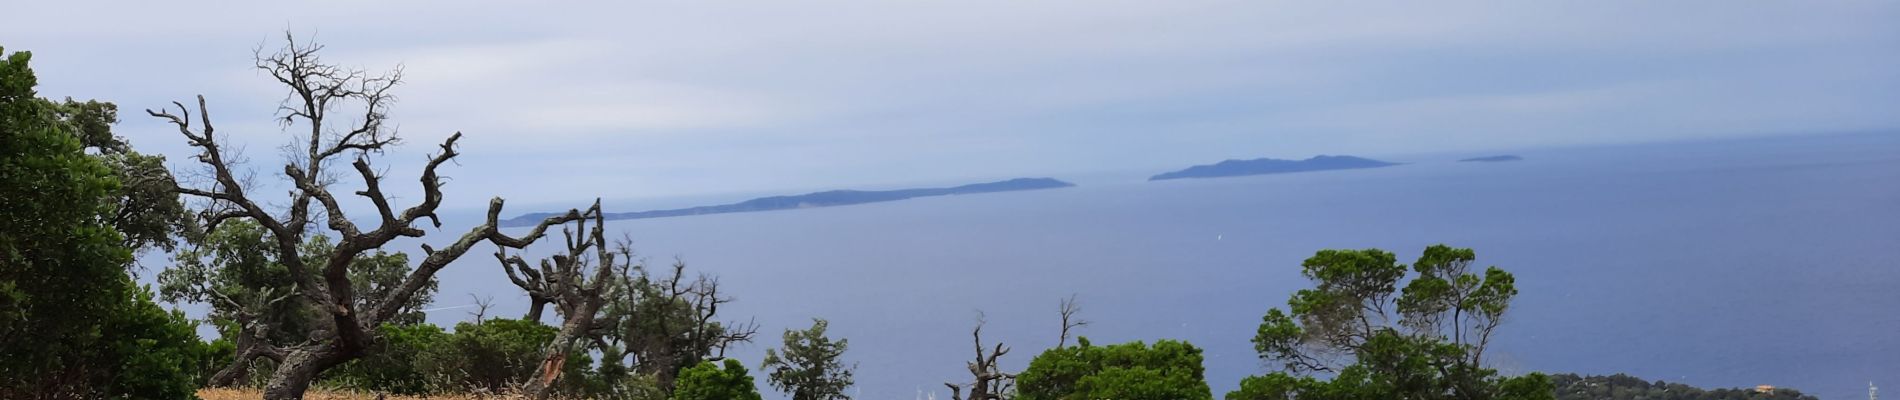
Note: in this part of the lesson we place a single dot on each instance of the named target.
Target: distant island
(820, 199)
(1272, 166)
(1492, 159)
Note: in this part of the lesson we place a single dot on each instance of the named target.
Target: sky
(653, 99)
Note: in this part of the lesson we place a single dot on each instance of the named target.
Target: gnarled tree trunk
(581, 300)
(535, 306)
(315, 90)
(294, 375)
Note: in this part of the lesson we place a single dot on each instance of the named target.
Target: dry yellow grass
(315, 394)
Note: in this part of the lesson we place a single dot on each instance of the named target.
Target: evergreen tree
(1444, 319)
(810, 367)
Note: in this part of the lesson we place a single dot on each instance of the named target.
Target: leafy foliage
(707, 381)
(393, 365)
(1168, 370)
(145, 209)
(72, 325)
(236, 269)
(1446, 316)
(494, 355)
(659, 325)
(56, 259)
(158, 351)
(810, 367)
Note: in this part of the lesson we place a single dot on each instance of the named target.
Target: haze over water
(1716, 263)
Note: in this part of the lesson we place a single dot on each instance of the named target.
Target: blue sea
(1721, 263)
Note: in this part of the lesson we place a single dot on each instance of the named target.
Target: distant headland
(1261, 166)
(820, 199)
(1506, 157)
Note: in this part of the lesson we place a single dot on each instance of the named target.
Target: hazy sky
(671, 98)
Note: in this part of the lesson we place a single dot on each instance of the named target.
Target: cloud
(698, 97)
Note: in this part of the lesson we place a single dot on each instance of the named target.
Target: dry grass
(316, 394)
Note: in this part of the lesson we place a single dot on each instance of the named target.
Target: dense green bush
(392, 365)
(495, 355)
(72, 325)
(158, 351)
(1169, 370)
(217, 354)
(707, 381)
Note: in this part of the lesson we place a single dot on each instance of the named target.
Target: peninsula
(1493, 159)
(1272, 166)
(820, 199)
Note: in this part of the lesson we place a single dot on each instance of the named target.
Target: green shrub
(157, 352)
(391, 366)
(707, 381)
(217, 354)
(1169, 370)
(495, 355)
(72, 324)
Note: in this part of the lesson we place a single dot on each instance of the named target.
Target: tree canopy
(707, 381)
(810, 366)
(1168, 370)
(72, 324)
(1427, 342)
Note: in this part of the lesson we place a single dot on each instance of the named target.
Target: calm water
(1732, 263)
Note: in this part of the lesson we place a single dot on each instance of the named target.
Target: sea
(1715, 263)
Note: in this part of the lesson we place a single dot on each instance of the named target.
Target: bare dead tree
(990, 382)
(578, 300)
(546, 285)
(316, 90)
(703, 333)
(1068, 310)
(562, 281)
(482, 304)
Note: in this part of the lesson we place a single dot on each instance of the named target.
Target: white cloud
(836, 91)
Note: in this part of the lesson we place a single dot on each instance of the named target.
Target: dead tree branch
(315, 90)
(1068, 310)
(990, 382)
(580, 300)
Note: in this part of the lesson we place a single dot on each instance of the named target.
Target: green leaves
(493, 354)
(72, 325)
(398, 361)
(810, 367)
(1349, 284)
(1274, 386)
(1279, 339)
(158, 352)
(707, 381)
(1494, 295)
(1358, 274)
(1168, 370)
(1432, 350)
